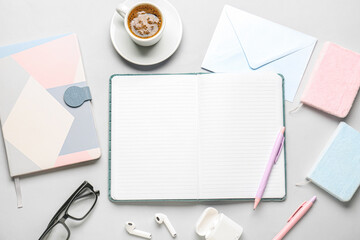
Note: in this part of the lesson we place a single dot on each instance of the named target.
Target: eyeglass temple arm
(86, 195)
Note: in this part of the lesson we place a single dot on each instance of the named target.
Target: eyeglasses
(77, 208)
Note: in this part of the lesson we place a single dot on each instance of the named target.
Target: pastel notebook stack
(40, 130)
(337, 170)
(335, 81)
(194, 136)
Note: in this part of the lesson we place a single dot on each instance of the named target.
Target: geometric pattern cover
(40, 131)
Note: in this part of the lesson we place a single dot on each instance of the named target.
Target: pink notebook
(335, 81)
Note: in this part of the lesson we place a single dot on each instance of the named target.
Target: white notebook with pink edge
(194, 136)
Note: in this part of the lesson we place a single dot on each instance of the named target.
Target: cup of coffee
(144, 22)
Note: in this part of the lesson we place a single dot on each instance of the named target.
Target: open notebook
(194, 136)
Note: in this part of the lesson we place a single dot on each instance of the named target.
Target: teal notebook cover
(143, 171)
(338, 168)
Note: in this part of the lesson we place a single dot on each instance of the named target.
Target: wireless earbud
(162, 218)
(130, 228)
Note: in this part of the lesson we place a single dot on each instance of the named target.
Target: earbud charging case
(216, 226)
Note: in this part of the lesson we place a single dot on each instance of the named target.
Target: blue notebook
(337, 170)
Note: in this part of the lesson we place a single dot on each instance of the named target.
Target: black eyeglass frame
(65, 207)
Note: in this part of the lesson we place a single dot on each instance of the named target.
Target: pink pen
(275, 153)
(295, 217)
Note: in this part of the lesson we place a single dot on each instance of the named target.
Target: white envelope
(243, 42)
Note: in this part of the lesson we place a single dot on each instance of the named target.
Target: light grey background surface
(307, 131)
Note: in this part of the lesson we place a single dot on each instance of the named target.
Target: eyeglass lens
(58, 232)
(83, 204)
(79, 208)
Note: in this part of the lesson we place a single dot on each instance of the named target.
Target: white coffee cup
(124, 12)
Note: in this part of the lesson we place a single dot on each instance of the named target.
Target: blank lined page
(154, 141)
(240, 117)
(195, 136)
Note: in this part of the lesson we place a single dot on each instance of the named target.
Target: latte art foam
(145, 24)
(144, 21)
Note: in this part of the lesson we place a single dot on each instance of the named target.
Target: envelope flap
(264, 41)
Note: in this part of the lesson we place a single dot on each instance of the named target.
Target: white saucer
(136, 54)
